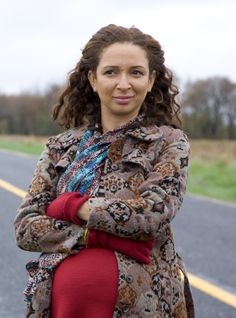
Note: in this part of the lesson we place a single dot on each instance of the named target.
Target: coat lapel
(69, 143)
(140, 146)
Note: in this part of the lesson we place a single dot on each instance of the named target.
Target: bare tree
(28, 113)
(209, 108)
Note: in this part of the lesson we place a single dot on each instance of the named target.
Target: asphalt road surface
(205, 233)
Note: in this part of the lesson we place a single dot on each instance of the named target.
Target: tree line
(208, 107)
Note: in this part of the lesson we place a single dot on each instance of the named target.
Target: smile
(123, 100)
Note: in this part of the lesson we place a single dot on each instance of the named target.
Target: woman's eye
(109, 72)
(137, 73)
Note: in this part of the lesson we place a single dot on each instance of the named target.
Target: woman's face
(122, 81)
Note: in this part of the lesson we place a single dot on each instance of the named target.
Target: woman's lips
(123, 100)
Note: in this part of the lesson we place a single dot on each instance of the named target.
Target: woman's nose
(123, 82)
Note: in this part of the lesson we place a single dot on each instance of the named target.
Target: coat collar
(150, 133)
(70, 139)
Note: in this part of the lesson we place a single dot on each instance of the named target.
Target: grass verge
(28, 147)
(213, 179)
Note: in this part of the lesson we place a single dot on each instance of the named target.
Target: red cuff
(72, 206)
(66, 206)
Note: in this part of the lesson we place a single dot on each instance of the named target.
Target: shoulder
(160, 136)
(171, 134)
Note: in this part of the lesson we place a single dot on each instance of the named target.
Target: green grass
(31, 148)
(215, 179)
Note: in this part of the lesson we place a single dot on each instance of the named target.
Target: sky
(41, 40)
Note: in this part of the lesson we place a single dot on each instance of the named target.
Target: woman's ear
(152, 80)
(92, 80)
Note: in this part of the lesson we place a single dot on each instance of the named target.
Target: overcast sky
(41, 40)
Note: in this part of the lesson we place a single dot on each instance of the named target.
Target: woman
(105, 192)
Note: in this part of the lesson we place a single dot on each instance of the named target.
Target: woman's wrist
(84, 212)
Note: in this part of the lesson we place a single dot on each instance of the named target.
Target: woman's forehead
(123, 53)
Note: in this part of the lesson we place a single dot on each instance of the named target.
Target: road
(204, 232)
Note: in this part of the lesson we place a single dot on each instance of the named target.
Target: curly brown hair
(78, 104)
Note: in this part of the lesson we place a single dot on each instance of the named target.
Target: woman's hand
(84, 212)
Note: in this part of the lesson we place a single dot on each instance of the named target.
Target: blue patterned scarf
(83, 174)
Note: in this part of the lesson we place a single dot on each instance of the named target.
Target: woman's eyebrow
(137, 66)
(110, 66)
(116, 66)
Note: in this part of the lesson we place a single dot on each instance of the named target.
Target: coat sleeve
(160, 196)
(34, 230)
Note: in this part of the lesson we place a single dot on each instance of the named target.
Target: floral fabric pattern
(145, 176)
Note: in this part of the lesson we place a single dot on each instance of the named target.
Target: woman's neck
(109, 124)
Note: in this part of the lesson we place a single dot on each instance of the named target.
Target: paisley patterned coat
(145, 181)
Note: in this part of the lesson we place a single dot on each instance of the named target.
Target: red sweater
(85, 284)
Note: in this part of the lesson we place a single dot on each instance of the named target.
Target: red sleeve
(138, 250)
(66, 206)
